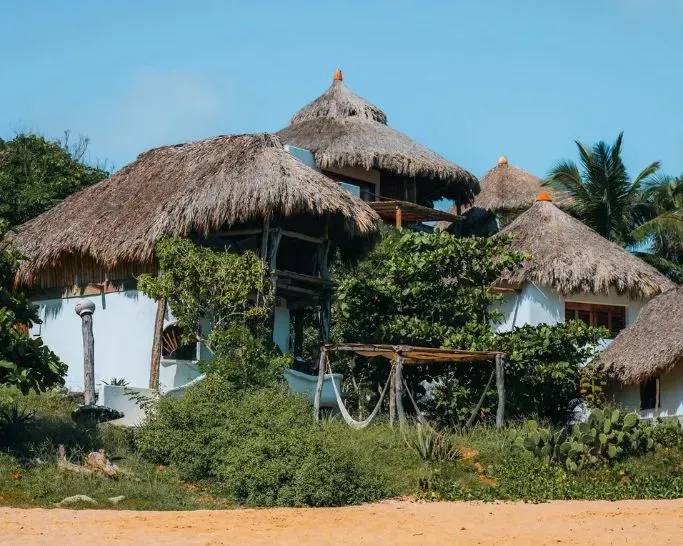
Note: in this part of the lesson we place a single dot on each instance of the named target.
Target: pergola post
(398, 388)
(322, 362)
(392, 398)
(85, 310)
(500, 387)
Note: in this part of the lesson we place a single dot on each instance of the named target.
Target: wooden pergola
(405, 212)
(409, 355)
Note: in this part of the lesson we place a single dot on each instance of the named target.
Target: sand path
(389, 522)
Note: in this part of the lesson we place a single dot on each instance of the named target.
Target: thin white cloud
(161, 108)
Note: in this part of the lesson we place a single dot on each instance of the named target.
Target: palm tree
(603, 196)
(660, 236)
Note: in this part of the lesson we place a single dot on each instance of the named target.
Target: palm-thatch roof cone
(507, 188)
(652, 345)
(342, 129)
(193, 188)
(572, 258)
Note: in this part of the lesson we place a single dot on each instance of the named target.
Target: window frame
(593, 309)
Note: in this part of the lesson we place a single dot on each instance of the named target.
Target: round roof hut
(572, 258)
(108, 231)
(342, 129)
(509, 188)
(506, 188)
(652, 345)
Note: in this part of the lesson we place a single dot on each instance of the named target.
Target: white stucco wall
(123, 326)
(535, 304)
(670, 396)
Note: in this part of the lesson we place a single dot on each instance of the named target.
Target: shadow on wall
(51, 309)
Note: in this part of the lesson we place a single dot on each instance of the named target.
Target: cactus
(605, 436)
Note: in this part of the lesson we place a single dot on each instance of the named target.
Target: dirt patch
(393, 522)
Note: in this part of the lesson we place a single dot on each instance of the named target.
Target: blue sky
(472, 80)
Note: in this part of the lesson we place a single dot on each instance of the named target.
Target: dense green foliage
(24, 360)
(261, 447)
(209, 289)
(435, 290)
(224, 300)
(36, 174)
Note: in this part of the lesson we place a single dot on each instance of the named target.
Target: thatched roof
(572, 258)
(342, 129)
(652, 345)
(507, 188)
(193, 188)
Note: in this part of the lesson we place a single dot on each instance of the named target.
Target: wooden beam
(500, 386)
(399, 217)
(656, 397)
(301, 236)
(303, 278)
(237, 232)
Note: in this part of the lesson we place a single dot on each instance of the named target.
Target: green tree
(604, 196)
(24, 361)
(36, 174)
(224, 300)
(661, 234)
(435, 290)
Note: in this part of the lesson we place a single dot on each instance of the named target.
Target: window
(612, 317)
(364, 190)
(171, 347)
(649, 394)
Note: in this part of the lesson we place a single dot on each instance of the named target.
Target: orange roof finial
(544, 196)
(502, 160)
(338, 75)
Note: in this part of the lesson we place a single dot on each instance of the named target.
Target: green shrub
(50, 424)
(259, 447)
(668, 433)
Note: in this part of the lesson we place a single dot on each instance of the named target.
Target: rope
(420, 416)
(342, 408)
(476, 409)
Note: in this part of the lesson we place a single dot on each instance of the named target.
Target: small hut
(242, 192)
(350, 140)
(573, 273)
(506, 191)
(645, 361)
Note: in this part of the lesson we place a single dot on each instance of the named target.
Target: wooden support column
(322, 364)
(155, 362)
(398, 387)
(399, 217)
(264, 239)
(392, 398)
(500, 386)
(657, 391)
(85, 310)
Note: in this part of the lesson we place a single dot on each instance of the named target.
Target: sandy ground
(390, 522)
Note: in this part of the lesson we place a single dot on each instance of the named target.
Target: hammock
(346, 415)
